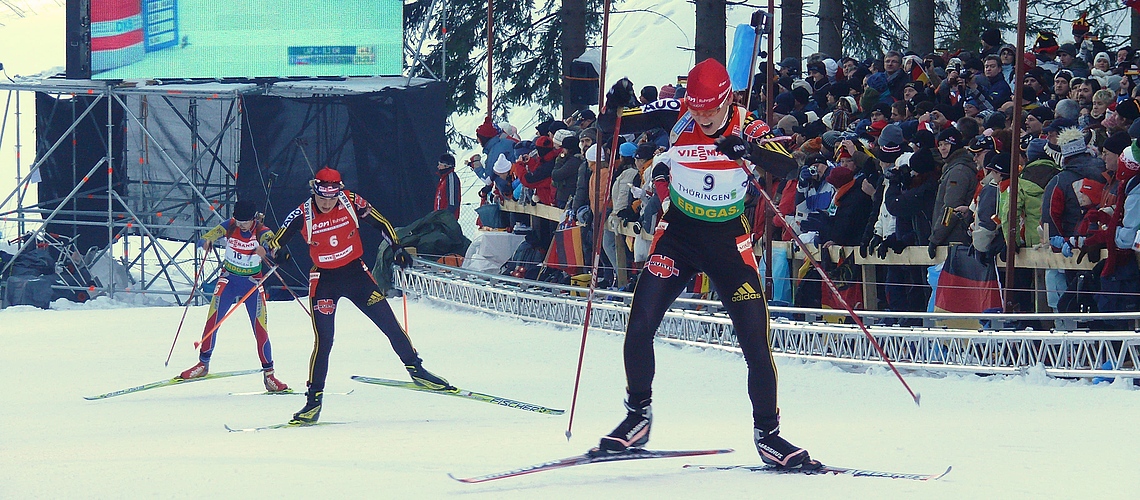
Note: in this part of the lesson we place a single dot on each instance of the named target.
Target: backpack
(525, 263)
(1080, 295)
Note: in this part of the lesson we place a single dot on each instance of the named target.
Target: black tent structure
(156, 165)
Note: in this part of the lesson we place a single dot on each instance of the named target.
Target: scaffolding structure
(196, 152)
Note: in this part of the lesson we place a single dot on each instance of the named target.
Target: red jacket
(534, 173)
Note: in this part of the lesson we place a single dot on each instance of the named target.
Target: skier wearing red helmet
(705, 178)
(329, 221)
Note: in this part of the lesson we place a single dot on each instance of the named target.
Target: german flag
(917, 72)
(566, 251)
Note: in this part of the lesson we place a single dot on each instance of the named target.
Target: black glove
(884, 246)
(402, 258)
(627, 215)
(898, 244)
(732, 146)
(869, 244)
(486, 191)
(281, 255)
(932, 250)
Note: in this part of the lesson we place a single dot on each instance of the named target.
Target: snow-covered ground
(1024, 437)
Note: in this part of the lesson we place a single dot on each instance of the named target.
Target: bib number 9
(332, 240)
(709, 181)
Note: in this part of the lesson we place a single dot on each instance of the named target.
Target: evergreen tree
(527, 52)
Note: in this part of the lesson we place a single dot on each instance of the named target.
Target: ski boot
(272, 384)
(777, 451)
(311, 412)
(633, 432)
(426, 379)
(197, 371)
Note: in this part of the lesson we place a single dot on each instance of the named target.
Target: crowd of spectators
(904, 150)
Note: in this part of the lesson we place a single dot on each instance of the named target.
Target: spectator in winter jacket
(994, 86)
(1034, 177)
(896, 77)
(502, 181)
(956, 190)
(495, 141)
(1115, 230)
(1067, 53)
(813, 196)
(625, 174)
(1060, 208)
(448, 193)
(909, 201)
(534, 168)
(565, 173)
(849, 209)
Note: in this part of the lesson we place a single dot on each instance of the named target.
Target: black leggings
(723, 251)
(353, 281)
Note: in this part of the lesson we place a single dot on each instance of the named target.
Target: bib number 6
(332, 240)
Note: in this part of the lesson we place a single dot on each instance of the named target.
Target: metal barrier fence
(1070, 353)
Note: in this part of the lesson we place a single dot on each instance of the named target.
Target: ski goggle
(326, 190)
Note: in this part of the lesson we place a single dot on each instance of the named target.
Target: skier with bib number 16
(330, 221)
(703, 230)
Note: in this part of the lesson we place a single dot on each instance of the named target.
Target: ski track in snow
(1007, 437)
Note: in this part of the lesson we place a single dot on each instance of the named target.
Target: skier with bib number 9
(329, 221)
(704, 230)
(244, 235)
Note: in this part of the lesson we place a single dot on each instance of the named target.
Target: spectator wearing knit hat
(1113, 147)
(991, 42)
(495, 141)
(1060, 208)
(565, 173)
(1045, 48)
(448, 191)
(1067, 55)
(956, 189)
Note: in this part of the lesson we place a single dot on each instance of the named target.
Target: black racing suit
(688, 246)
(353, 281)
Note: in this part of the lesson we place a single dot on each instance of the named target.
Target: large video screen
(141, 39)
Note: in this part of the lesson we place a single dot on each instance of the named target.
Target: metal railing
(1061, 353)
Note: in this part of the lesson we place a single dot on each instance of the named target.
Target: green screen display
(142, 39)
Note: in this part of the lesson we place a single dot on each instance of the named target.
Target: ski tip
(942, 475)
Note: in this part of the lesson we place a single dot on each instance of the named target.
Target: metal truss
(1072, 354)
(151, 211)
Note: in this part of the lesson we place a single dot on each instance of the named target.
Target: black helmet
(245, 210)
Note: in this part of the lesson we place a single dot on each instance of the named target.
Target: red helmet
(709, 85)
(326, 183)
(328, 175)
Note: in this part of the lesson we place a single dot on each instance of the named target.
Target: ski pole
(593, 274)
(235, 307)
(194, 288)
(831, 285)
(405, 296)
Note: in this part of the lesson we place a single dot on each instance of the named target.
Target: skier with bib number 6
(705, 178)
(330, 221)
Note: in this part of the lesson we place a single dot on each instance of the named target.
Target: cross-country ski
(821, 469)
(462, 393)
(285, 425)
(170, 382)
(593, 456)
